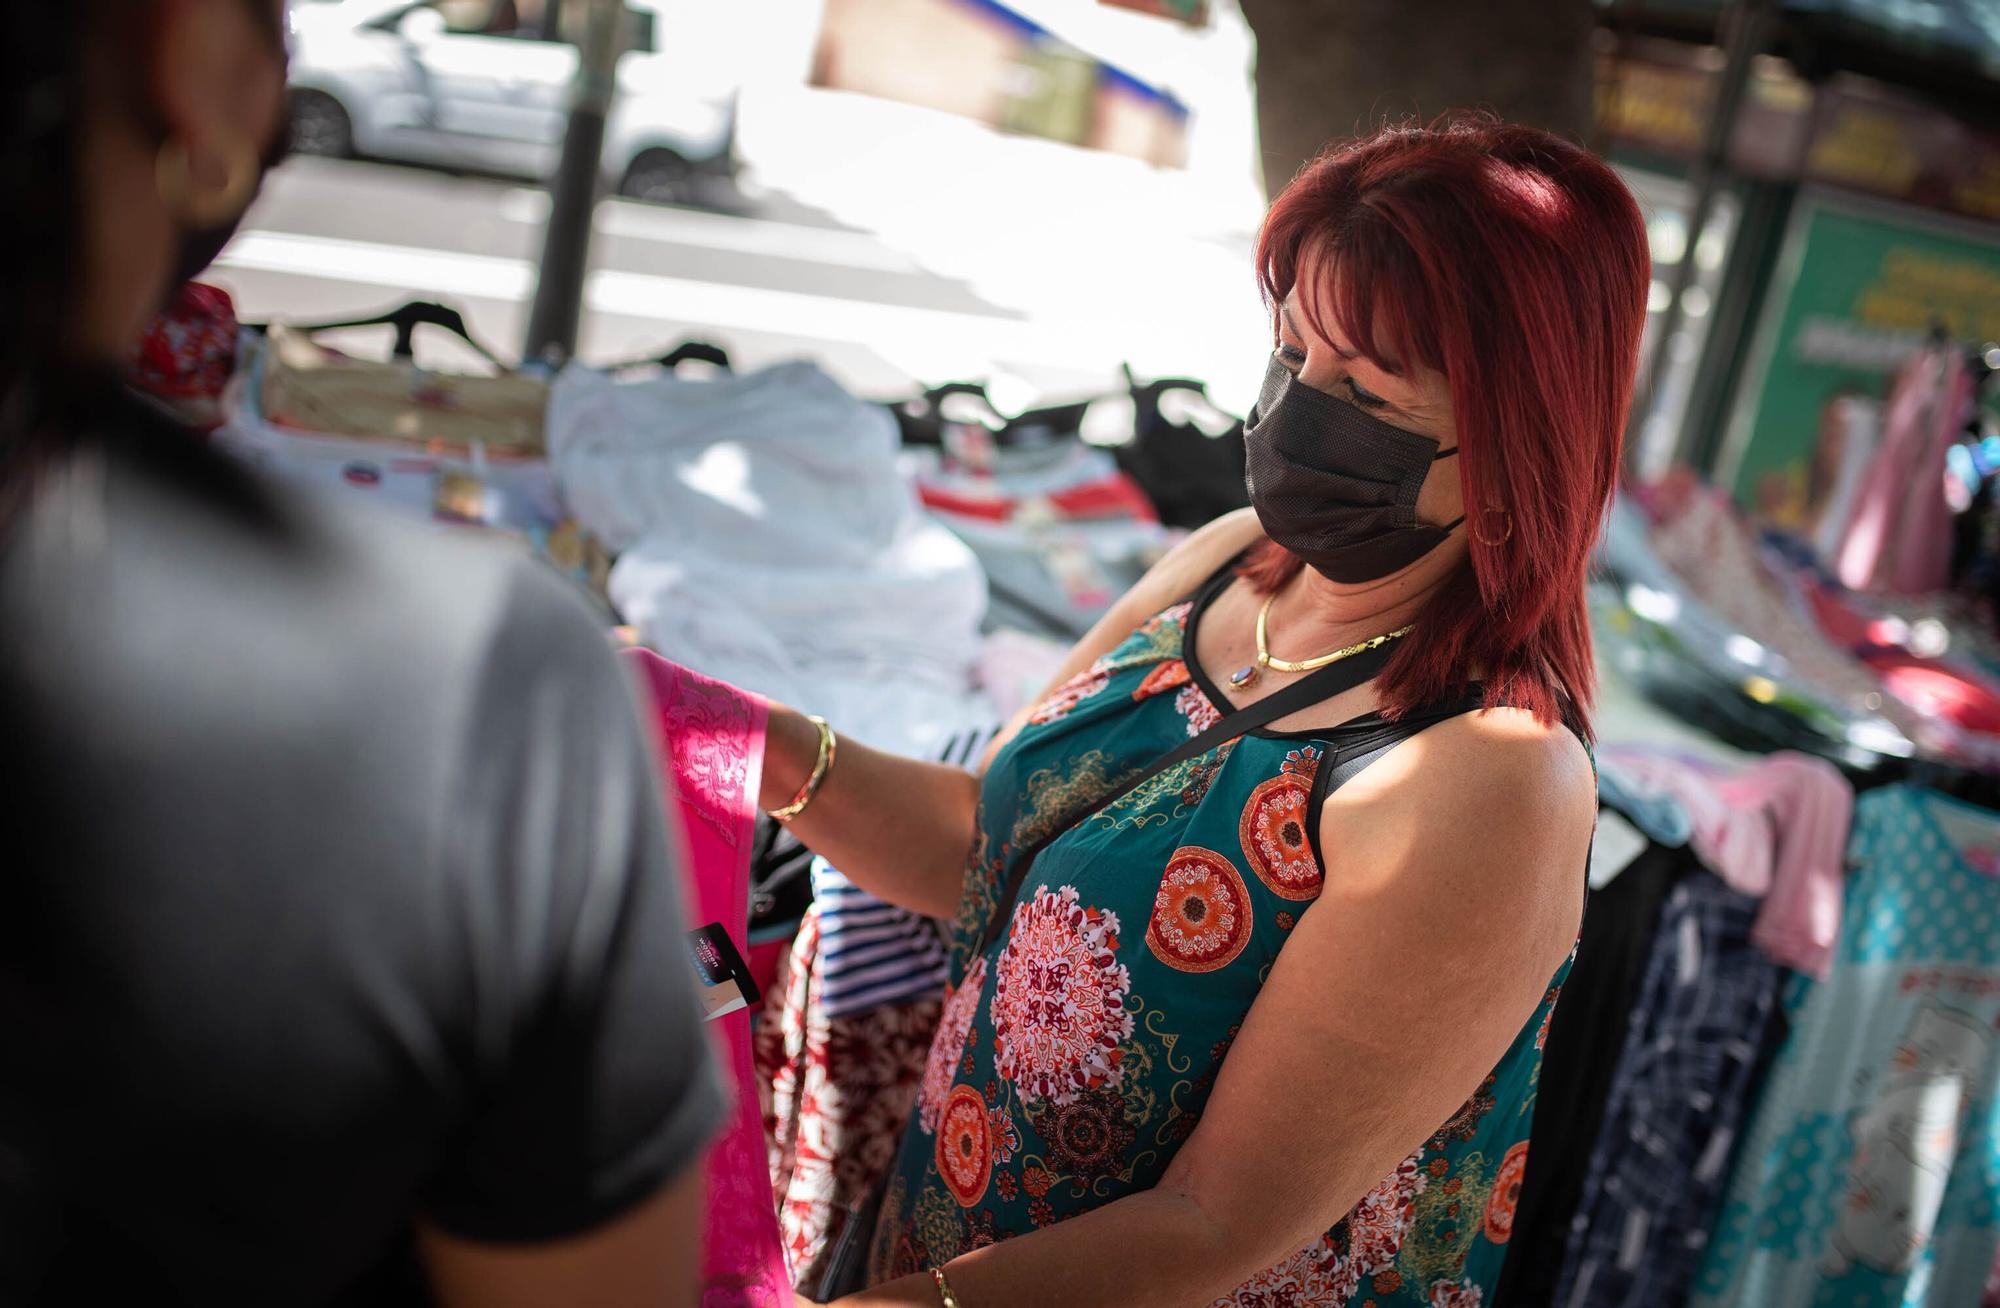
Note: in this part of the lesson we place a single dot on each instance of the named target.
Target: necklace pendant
(1244, 676)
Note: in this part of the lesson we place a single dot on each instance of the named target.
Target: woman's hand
(898, 828)
(791, 748)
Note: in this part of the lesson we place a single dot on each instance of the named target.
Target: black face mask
(1335, 486)
(199, 248)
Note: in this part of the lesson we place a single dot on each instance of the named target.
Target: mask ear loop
(1440, 457)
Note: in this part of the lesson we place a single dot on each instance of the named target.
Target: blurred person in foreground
(1266, 1029)
(341, 957)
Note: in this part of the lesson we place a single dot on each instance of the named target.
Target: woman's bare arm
(902, 829)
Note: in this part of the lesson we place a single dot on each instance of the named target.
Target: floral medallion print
(1464, 1124)
(1087, 1137)
(1196, 708)
(961, 1006)
(1051, 794)
(1158, 638)
(1168, 796)
(1447, 1219)
(1201, 913)
(1320, 1275)
(1376, 1227)
(978, 905)
(1091, 681)
(1059, 999)
(884, 1263)
(965, 1146)
(938, 1231)
(1274, 837)
(1171, 675)
(1450, 1294)
(1302, 762)
(1005, 1135)
(1506, 1194)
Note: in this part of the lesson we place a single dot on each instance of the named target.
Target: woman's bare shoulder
(1490, 812)
(1195, 559)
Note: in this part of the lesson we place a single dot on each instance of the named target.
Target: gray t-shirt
(334, 889)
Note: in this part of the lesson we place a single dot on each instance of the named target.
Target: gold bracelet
(828, 745)
(944, 1288)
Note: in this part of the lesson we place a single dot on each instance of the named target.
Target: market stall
(1800, 736)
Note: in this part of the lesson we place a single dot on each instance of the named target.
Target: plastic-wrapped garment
(776, 466)
(309, 387)
(1662, 817)
(1655, 592)
(769, 540)
(391, 464)
(711, 741)
(1860, 431)
(1703, 537)
(1065, 480)
(1870, 1177)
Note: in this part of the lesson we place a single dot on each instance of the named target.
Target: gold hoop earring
(173, 175)
(1505, 536)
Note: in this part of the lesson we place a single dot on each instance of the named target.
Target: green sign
(1860, 291)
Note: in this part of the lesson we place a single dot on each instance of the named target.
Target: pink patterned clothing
(711, 738)
(1776, 829)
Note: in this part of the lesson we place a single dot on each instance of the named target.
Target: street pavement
(922, 251)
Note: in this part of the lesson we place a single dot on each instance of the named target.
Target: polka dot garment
(1871, 1174)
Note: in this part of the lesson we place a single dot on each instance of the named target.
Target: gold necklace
(1247, 675)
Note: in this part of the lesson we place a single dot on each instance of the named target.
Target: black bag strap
(1314, 688)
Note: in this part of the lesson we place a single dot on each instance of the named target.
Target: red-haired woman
(1265, 1028)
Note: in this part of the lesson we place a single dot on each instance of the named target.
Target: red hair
(1515, 264)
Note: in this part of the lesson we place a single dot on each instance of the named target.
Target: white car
(485, 84)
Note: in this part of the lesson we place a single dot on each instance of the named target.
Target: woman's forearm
(1154, 1248)
(898, 828)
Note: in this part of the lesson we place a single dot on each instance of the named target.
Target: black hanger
(700, 352)
(406, 318)
(1146, 396)
(690, 350)
(921, 417)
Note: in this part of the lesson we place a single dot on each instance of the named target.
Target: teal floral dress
(1076, 1054)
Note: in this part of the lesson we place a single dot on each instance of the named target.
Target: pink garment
(711, 741)
(1899, 536)
(1958, 694)
(1776, 829)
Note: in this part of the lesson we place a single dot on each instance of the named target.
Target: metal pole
(1745, 25)
(558, 308)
